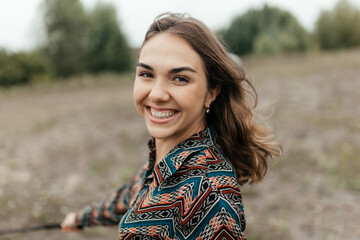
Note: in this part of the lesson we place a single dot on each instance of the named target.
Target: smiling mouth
(161, 114)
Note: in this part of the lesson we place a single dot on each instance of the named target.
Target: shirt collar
(174, 159)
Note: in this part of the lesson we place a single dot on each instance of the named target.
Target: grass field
(66, 145)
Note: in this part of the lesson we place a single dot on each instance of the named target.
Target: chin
(159, 133)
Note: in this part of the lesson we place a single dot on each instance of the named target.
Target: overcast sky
(20, 19)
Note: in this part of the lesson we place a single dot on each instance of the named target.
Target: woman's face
(170, 89)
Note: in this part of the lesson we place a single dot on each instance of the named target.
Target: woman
(205, 141)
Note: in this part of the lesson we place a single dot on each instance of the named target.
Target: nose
(159, 91)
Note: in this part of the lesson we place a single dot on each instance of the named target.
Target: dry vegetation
(65, 145)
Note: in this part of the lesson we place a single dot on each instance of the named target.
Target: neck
(162, 148)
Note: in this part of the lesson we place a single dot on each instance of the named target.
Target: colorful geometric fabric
(191, 193)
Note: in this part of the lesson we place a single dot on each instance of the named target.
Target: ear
(212, 94)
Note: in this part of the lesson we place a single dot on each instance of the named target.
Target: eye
(180, 79)
(145, 74)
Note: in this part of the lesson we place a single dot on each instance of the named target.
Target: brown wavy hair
(244, 141)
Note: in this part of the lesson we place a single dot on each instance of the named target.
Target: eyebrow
(181, 69)
(172, 71)
(144, 66)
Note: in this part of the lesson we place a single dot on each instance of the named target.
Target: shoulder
(212, 171)
(209, 170)
(210, 163)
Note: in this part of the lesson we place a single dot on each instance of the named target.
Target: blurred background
(70, 135)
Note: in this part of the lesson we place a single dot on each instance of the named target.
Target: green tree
(22, 68)
(256, 31)
(339, 27)
(66, 28)
(108, 48)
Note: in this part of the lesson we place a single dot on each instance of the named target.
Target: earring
(208, 109)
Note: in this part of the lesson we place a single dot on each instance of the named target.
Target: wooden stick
(32, 229)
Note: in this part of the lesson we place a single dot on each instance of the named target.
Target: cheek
(192, 99)
(138, 95)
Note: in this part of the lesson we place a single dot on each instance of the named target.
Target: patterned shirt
(191, 193)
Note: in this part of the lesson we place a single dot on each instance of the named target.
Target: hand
(69, 223)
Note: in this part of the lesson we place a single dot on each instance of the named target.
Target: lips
(161, 114)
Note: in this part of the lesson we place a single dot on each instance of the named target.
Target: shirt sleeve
(110, 210)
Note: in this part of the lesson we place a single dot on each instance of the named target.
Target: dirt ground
(66, 145)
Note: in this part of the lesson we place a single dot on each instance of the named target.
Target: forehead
(170, 50)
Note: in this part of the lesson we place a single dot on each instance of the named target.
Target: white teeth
(161, 115)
